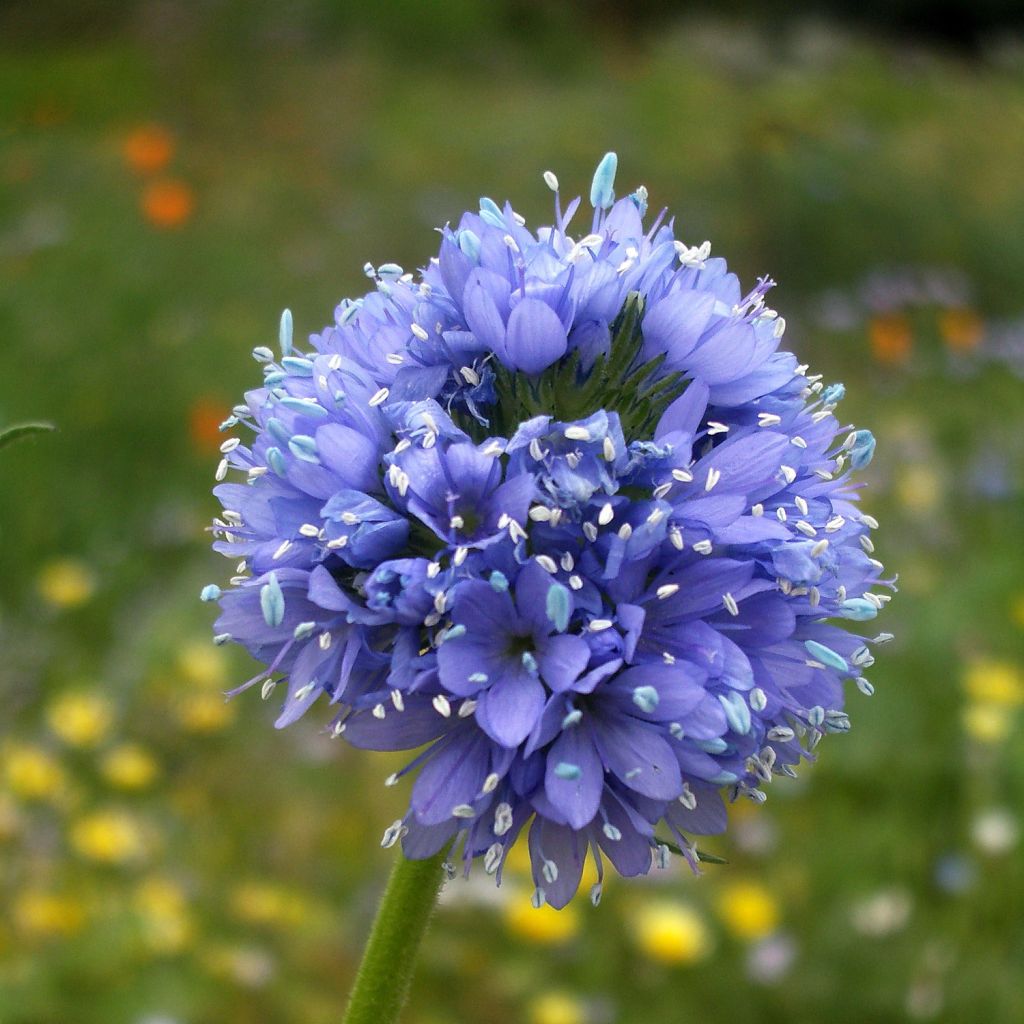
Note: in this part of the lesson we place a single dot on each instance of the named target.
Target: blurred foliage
(172, 178)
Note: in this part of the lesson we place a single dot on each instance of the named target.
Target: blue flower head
(560, 511)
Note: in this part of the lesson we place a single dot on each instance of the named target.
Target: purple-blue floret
(596, 588)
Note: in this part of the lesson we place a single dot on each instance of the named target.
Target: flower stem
(382, 982)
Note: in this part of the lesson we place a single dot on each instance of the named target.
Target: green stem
(382, 982)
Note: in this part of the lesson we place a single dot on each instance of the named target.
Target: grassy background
(170, 178)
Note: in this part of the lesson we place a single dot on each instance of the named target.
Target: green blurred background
(173, 174)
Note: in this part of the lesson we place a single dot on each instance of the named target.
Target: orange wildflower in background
(148, 149)
(168, 203)
(204, 420)
(891, 338)
(961, 329)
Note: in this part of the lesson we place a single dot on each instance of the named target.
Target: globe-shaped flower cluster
(558, 515)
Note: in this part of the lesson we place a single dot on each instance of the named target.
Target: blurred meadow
(172, 176)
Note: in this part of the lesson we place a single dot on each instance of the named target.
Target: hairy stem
(382, 982)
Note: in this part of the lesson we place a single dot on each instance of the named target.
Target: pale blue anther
(858, 608)
(273, 377)
(277, 430)
(572, 718)
(211, 592)
(737, 712)
(602, 188)
(469, 243)
(275, 460)
(639, 198)
(724, 778)
(833, 394)
(479, 678)
(490, 213)
(819, 652)
(262, 354)
(304, 630)
(231, 421)
(646, 699)
(499, 581)
(454, 632)
(530, 663)
(390, 270)
(299, 366)
(862, 449)
(304, 406)
(368, 269)
(284, 333)
(715, 745)
(349, 313)
(272, 602)
(569, 772)
(221, 639)
(302, 446)
(557, 606)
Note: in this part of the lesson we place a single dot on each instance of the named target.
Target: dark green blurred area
(173, 175)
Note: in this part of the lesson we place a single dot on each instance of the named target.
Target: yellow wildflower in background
(47, 914)
(556, 1008)
(205, 712)
(671, 932)
(110, 836)
(81, 718)
(264, 903)
(987, 723)
(66, 583)
(162, 908)
(543, 925)
(919, 488)
(31, 772)
(203, 665)
(748, 910)
(994, 682)
(129, 766)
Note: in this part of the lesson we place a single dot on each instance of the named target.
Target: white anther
(577, 433)
(442, 706)
(768, 419)
(667, 590)
(379, 397)
(714, 475)
(730, 604)
(597, 625)
(607, 513)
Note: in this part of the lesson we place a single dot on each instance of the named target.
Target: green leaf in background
(8, 435)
